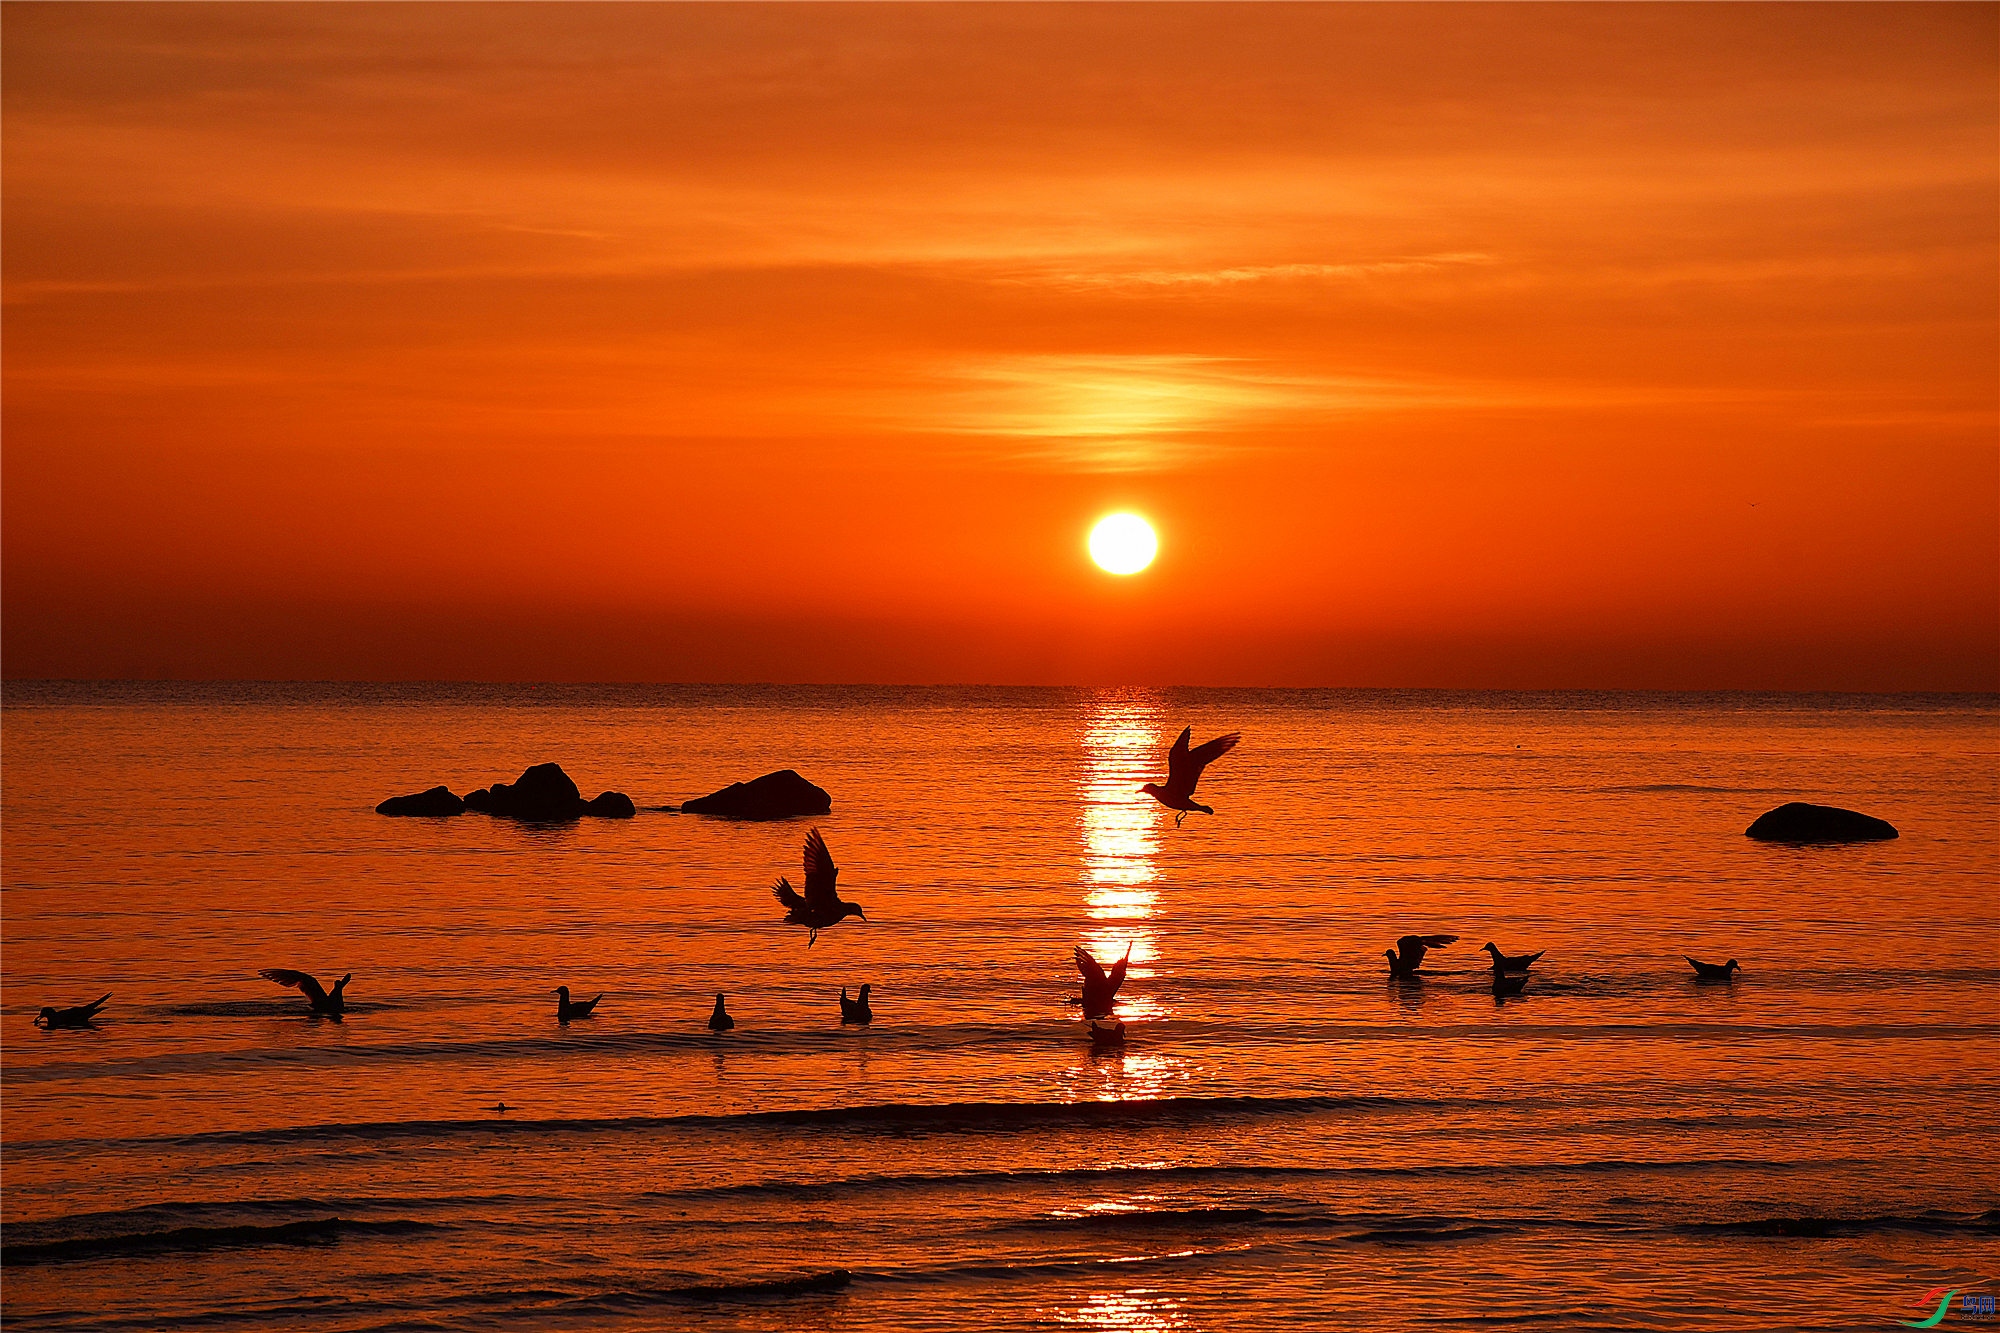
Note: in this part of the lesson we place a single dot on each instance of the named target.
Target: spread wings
(299, 981)
(820, 872)
(1096, 984)
(1184, 766)
(1093, 973)
(787, 896)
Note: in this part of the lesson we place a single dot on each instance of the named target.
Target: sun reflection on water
(1123, 748)
(1134, 1308)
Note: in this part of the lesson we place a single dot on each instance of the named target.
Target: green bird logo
(1937, 1315)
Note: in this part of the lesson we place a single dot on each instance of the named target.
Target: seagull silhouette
(720, 1021)
(1516, 963)
(1412, 949)
(821, 907)
(1184, 768)
(78, 1017)
(567, 1008)
(332, 1003)
(855, 1011)
(1503, 984)
(1714, 971)
(1099, 988)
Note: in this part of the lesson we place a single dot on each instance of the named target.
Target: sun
(1123, 543)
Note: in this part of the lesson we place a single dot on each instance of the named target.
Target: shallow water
(1285, 1139)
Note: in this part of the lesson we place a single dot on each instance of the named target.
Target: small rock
(436, 801)
(611, 805)
(1798, 822)
(780, 795)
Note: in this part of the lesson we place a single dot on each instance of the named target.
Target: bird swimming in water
(821, 907)
(720, 1021)
(855, 1011)
(1411, 949)
(1099, 988)
(567, 1008)
(1714, 971)
(1504, 963)
(331, 1004)
(77, 1017)
(1184, 768)
(1506, 984)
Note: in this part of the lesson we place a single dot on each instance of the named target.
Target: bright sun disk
(1123, 543)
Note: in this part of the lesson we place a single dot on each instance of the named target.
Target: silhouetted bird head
(48, 1012)
(1151, 789)
(852, 909)
(1491, 947)
(562, 991)
(718, 999)
(1390, 954)
(1732, 966)
(864, 993)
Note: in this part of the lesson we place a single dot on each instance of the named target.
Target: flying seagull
(567, 1008)
(331, 1003)
(1184, 768)
(1099, 989)
(720, 1021)
(821, 907)
(1412, 949)
(1516, 963)
(78, 1017)
(1714, 971)
(855, 1011)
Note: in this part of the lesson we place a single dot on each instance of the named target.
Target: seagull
(1412, 949)
(1503, 963)
(855, 1011)
(331, 1003)
(720, 1021)
(1714, 971)
(1099, 990)
(821, 907)
(1506, 985)
(1184, 768)
(567, 1008)
(78, 1017)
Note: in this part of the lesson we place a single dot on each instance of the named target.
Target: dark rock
(781, 795)
(543, 792)
(611, 805)
(1799, 822)
(436, 801)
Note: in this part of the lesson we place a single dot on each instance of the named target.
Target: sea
(1285, 1140)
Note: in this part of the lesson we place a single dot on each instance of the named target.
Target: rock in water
(1799, 822)
(780, 795)
(545, 792)
(611, 805)
(436, 801)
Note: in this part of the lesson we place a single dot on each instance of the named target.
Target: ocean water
(1285, 1140)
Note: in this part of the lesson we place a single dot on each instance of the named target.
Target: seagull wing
(90, 1010)
(820, 872)
(1093, 975)
(787, 896)
(1181, 771)
(1201, 756)
(1117, 977)
(303, 982)
(1434, 941)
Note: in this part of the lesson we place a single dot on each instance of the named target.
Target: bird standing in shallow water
(567, 1008)
(1099, 987)
(720, 1021)
(855, 1011)
(821, 906)
(1184, 768)
(1516, 963)
(1714, 971)
(1412, 949)
(330, 1004)
(77, 1017)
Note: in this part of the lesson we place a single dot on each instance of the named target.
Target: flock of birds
(820, 907)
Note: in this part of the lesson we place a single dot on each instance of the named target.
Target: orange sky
(1464, 345)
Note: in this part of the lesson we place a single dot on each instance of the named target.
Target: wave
(183, 1240)
(1823, 1228)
